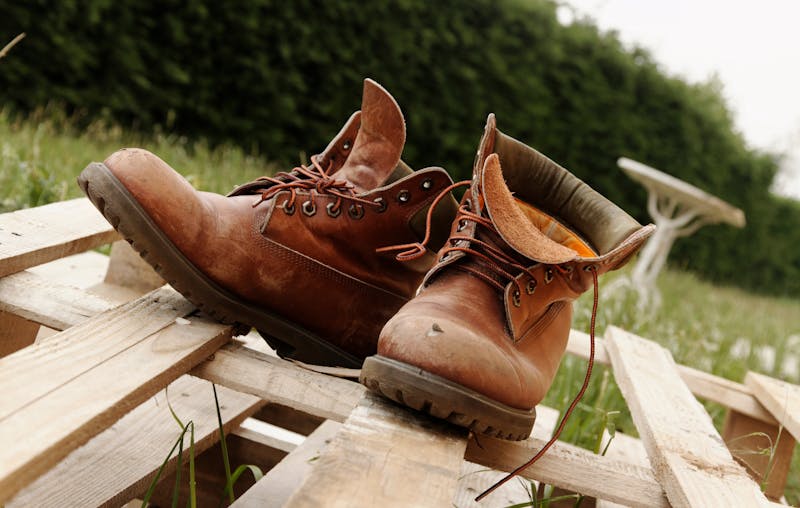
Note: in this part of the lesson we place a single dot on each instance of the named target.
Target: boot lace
(314, 178)
(504, 267)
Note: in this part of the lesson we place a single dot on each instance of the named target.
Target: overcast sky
(754, 48)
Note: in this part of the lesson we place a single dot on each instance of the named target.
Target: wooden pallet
(88, 347)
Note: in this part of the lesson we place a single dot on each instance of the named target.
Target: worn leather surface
(507, 344)
(320, 271)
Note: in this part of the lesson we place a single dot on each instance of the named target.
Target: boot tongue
(379, 143)
(512, 224)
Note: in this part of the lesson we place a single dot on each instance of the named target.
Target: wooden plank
(279, 483)
(34, 372)
(397, 458)
(60, 393)
(15, 332)
(48, 303)
(281, 382)
(476, 478)
(688, 456)
(82, 270)
(122, 461)
(568, 466)
(707, 386)
(782, 399)
(37, 235)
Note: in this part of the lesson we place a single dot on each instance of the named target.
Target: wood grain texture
(476, 478)
(689, 458)
(707, 386)
(33, 372)
(782, 399)
(121, 462)
(281, 382)
(573, 469)
(385, 455)
(34, 236)
(279, 483)
(60, 393)
(564, 465)
(43, 301)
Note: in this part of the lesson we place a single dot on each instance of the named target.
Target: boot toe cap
(448, 349)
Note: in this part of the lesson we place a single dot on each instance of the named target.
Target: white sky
(754, 48)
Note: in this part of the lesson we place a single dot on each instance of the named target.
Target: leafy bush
(280, 77)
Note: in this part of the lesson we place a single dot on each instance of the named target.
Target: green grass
(720, 330)
(41, 156)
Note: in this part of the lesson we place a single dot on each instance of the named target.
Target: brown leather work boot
(294, 255)
(481, 342)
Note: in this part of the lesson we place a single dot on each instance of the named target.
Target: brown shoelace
(314, 178)
(503, 266)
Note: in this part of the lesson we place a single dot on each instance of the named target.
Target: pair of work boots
(326, 261)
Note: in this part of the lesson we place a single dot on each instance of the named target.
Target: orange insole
(555, 230)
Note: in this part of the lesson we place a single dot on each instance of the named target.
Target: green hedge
(281, 76)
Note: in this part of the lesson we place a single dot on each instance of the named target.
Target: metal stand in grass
(230, 478)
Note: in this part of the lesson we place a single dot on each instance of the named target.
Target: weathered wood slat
(15, 332)
(37, 235)
(60, 393)
(707, 386)
(120, 463)
(35, 371)
(688, 456)
(282, 382)
(782, 399)
(42, 301)
(280, 482)
(573, 469)
(385, 455)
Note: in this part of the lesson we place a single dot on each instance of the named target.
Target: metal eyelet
(355, 211)
(461, 225)
(531, 286)
(444, 257)
(426, 184)
(467, 204)
(287, 208)
(309, 208)
(589, 268)
(331, 212)
(347, 145)
(383, 204)
(515, 298)
(404, 196)
(548, 275)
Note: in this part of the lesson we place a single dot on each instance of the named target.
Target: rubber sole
(125, 214)
(439, 397)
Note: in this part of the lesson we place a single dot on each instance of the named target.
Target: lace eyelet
(347, 145)
(426, 184)
(589, 268)
(404, 196)
(461, 225)
(287, 208)
(355, 211)
(548, 275)
(331, 212)
(515, 298)
(467, 205)
(382, 203)
(309, 208)
(531, 286)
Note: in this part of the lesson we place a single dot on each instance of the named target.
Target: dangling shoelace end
(571, 407)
